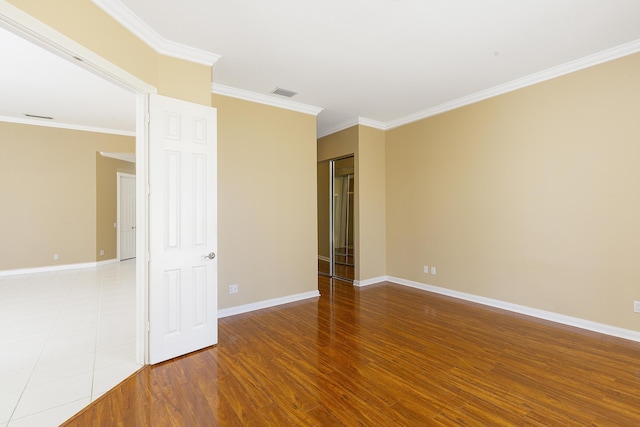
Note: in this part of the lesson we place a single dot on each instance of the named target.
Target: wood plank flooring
(384, 355)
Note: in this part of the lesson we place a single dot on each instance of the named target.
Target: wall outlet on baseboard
(233, 289)
(636, 306)
(101, 252)
(433, 270)
(55, 257)
(426, 269)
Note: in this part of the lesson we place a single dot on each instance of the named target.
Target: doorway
(336, 231)
(82, 318)
(51, 41)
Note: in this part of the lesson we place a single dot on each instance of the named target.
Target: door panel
(183, 228)
(127, 216)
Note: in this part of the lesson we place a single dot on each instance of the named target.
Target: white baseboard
(239, 309)
(53, 268)
(534, 312)
(109, 261)
(373, 281)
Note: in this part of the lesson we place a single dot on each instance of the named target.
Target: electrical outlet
(426, 269)
(636, 306)
(433, 270)
(101, 252)
(233, 289)
(55, 257)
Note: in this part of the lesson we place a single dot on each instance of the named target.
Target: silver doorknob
(211, 255)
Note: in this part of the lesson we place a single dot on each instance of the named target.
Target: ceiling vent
(284, 92)
(35, 116)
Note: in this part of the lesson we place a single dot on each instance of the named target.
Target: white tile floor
(65, 338)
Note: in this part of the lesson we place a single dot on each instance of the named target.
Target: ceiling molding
(37, 122)
(354, 122)
(247, 95)
(372, 123)
(139, 28)
(339, 127)
(551, 73)
(23, 24)
(127, 157)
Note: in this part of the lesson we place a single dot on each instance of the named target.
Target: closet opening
(336, 203)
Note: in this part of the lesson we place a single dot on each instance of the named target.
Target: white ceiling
(38, 82)
(383, 61)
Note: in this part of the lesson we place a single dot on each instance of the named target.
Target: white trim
(107, 262)
(372, 281)
(125, 17)
(231, 311)
(339, 127)
(50, 124)
(142, 227)
(324, 258)
(260, 98)
(351, 123)
(26, 26)
(551, 73)
(125, 157)
(376, 124)
(54, 268)
(528, 311)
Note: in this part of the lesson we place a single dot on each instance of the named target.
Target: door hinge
(148, 188)
(147, 118)
(148, 326)
(148, 257)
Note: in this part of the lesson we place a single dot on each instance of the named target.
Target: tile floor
(66, 337)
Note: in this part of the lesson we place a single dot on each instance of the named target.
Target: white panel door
(127, 216)
(183, 294)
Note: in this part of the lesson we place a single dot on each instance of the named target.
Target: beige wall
(87, 24)
(107, 203)
(48, 194)
(371, 190)
(532, 197)
(339, 144)
(266, 201)
(324, 209)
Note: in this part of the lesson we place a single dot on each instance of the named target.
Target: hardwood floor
(384, 355)
(342, 271)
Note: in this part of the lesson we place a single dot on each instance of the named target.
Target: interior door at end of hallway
(183, 293)
(127, 216)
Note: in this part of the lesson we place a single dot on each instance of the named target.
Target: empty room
(355, 213)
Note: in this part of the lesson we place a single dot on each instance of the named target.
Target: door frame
(119, 176)
(29, 28)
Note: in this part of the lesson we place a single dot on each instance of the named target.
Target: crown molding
(26, 26)
(353, 122)
(49, 124)
(339, 127)
(551, 73)
(140, 29)
(372, 123)
(126, 157)
(247, 95)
